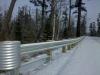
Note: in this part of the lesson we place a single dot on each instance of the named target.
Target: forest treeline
(94, 27)
(50, 20)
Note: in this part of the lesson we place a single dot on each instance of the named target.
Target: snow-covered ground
(55, 66)
(39, 63)
(84, 59)
(96, 39)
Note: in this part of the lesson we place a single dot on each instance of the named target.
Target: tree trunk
(53, 5)
(59, 23)
(6, 27)
(69, 23)
(40, 33)
(79, 19)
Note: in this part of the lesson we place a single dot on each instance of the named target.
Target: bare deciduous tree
(6, 26)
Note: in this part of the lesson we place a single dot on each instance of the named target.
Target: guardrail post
(64, 49)
(68, 47)
(72, 45)
(49, 53)
(9, 57)
(76, 43)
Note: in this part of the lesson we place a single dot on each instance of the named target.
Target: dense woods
(50, 20)
(94, 27)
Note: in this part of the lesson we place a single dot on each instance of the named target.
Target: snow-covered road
(84, 61)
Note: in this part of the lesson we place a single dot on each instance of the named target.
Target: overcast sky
(93, 7)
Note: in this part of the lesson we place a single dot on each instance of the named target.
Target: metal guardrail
(43, 46)
(47, 47)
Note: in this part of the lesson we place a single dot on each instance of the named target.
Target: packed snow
(85, 61)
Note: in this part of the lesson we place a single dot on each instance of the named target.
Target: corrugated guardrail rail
(39, 47)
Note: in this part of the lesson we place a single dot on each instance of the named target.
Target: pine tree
(48, 30)
(69, 30)
(79, 5)
(92, 29)
(24, 26)
(83, 26)
(65, 23)
(43, 6)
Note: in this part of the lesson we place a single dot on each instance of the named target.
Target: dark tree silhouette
(69, 30)
(83, 25)
(44, 6)
(98, 24)
(92, 29)
(80, 8)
